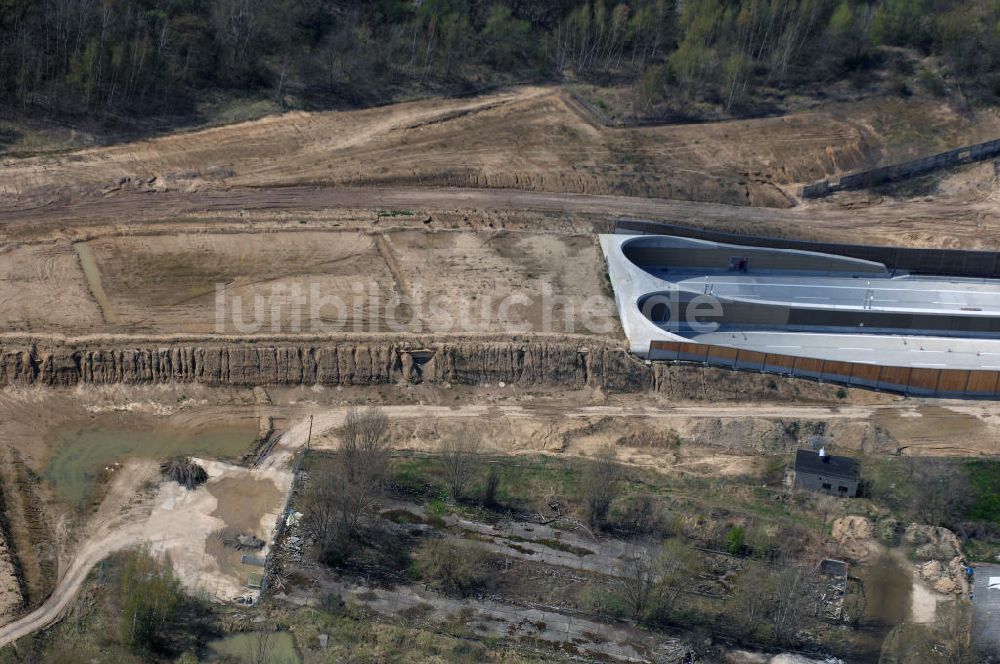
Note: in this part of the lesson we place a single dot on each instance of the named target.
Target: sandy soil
(43, 287)
(529, 138)
(924, 601)
(922, 221)
(318, 282)
(181, 524)
(11, 597)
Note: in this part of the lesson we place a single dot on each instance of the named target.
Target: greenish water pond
(246, 648)
(81, 454)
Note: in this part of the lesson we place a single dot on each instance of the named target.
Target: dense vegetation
(117, 58)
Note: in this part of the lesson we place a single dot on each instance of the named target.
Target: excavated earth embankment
(246, 363)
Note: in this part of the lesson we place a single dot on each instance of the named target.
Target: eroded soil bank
(359, 362)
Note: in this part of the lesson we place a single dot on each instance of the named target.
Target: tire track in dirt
(918, 223)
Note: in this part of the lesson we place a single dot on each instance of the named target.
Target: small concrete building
(819, 471)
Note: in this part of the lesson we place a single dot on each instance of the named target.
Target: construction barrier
(916, 381)
(945, 262)
(908, 169)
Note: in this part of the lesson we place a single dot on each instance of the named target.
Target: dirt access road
(178, 522)
(904, 223)
(524, 149)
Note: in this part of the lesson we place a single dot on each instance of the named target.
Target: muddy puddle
(888, 584)
(93, 274)
(242, 503)
(251, 647)
(81, 454)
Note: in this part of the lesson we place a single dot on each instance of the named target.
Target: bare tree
(261, 646)
(601, 485)
(750, 599)
(342, 494)
(954, 630)
(676, 564)
(649, 580)
(637, 580)
(791, 600)
(364, 444)
(490, 487)
(460, 460)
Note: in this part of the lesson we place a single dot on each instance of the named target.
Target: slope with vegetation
(123, 60)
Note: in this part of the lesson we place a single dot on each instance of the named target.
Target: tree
(343, 493)
(771, 603)
(676, 564)
(946, 641)
(946, 492)
(637, 580)
(601, 481)
(460, 460)
(953, 629)
(735, 541)
(149, 594)
(651, 581)
(792, 599)
(363, 445)
(750, 600)
(903, 23)
(508, 39)
(490, 487)
(261, 646)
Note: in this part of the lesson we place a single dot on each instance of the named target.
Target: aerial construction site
(491, 377)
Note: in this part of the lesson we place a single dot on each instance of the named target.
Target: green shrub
(933, 83)
(456, 567)
(605, 603)
(736, 540)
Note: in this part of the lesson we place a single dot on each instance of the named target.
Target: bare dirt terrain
(510, 148)
(140, 509)
(526, 139)
(472, 200)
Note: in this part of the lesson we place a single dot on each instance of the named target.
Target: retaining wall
(908, 169)
(945, 262)
(914, 381)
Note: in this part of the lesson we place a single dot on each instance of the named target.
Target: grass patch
(403, 516)
(985, 479)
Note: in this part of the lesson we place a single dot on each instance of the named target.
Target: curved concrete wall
(752, 316)
(945, 262)
(693, 254)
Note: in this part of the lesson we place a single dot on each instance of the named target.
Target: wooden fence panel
(837, 371)
(952, 382)
(692, 352)
(777, 363)
(894, 378)
(750, 359)
(982, 383)
(865, 374)
(722, 356)
(808, 367)
(923, 381)
(664, 350)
